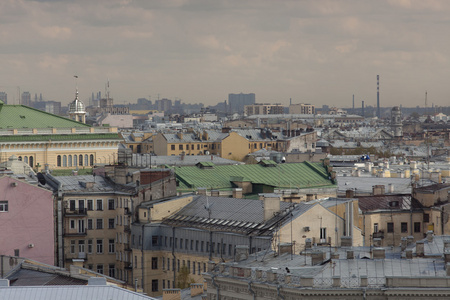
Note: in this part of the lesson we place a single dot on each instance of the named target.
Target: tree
(183, 278)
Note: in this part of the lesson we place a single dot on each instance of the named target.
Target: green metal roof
(60, 137)
(21, 116)
(291, 175)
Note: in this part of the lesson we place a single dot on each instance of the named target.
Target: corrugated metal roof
(69, 293)
(21, 116)
(290, 175)
(388, 202)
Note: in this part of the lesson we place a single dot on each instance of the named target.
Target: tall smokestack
(362, 110)
(353, 107)
(378, 97)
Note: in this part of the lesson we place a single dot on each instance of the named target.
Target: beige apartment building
(301, 108)
(263, 109)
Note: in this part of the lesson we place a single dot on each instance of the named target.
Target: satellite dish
(41, 178)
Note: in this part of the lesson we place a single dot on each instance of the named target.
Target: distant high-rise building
(163, 104)
(263, 109)
(26, 99)
(308, 109)
(236, 102)
(4, 97)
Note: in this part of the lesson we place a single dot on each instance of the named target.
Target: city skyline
(201, 51)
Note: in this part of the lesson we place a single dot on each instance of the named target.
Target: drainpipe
(142, 254)
(173, 255)
(251, 291)
(278, 292)
(216, 286)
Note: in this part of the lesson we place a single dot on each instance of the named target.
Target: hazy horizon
(319, 52)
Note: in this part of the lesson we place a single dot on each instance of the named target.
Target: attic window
(393, 204)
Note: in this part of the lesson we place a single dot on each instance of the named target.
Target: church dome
(76, 106)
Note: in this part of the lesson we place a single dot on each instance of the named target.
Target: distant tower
(353, 106)
(77, 111)
(378, 97)
(396, 122)
(362, 108)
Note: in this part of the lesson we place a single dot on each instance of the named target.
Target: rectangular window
(202, 246)
(99, 223)
(196, 245)
(90, 204)
(178, 265)
(81, 246)
(111, 204)
(90, 224)
(99, 204)
(172, 147)
(99, 246)
(112, 270)
(390, 227)
(154, 285)
(230, 250)
(426, 218)
(111, 246)
(163, 263)
(186, 244)
(72, 205)
(181, 243)
(89, 243)
(3, 206)
(100, 269)
(192, 244)
(111, 223)
(404, 227)
(72, 224)
(154, 240)
(168, 264)
(375, 227)
(180, 147)
(198, 269)
(417, 227)
(72, 246)
(154, 263)
(164, 284)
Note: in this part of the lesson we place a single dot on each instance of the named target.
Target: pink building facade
(26, 221)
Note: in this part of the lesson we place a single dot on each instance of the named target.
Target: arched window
(25, 159)
(80, 160)
(70, 160)
(91, 160)
(64, 161)
(75, 160)
(86, 160)
(31, 161)
(58, 161)
(19, 158)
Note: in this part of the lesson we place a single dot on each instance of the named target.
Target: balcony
(79, 255)
(126, 228)
(128, 266)
(127, 211)
(69, 232)
(379, 234)
(75, 212)
(126, 247)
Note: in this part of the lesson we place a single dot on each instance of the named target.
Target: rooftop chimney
(271, 205)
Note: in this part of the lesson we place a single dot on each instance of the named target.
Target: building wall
(234, 147)
(314, 219)
(397, 218)
(47, 152)
(77, 231)
(28, 221)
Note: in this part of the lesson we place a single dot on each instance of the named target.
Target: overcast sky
(319, 52)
